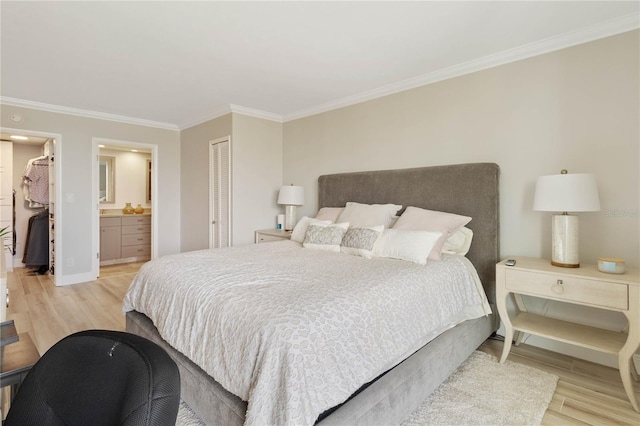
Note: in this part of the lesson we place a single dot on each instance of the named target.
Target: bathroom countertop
(118, 212)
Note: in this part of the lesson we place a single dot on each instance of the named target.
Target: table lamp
(290, 196)
(566, 193)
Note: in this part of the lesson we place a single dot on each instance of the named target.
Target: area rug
(480, 392)
(483, 392)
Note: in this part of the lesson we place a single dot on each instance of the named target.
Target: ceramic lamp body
(564, 244)
(289, 218)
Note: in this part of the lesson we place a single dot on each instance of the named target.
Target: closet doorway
(39, 250)
(124, 173)
(220, 193)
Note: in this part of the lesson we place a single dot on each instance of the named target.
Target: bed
(397, 389)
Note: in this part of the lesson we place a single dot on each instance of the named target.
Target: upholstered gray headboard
(466, 189)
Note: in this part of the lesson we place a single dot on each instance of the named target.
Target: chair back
(99, 377)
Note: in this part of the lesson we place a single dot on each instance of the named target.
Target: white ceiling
(174, 64)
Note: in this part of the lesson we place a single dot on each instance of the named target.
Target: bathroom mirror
(148, 186)
(107, 188)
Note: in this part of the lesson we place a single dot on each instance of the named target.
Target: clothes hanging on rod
(35, 182)
(36, 248)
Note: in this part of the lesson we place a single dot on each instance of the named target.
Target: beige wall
(575, 109)
(74, 227)
(256, 167)
(257, 175)
(194, 191)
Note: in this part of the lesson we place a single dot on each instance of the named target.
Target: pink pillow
(417, 219)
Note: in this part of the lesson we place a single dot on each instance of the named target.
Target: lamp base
(289, 218)
(564, 236)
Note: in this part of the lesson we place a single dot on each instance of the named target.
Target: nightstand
(269, 235)
(582, 286)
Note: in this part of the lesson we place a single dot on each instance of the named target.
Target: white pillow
(361, 215)
(458, 242)
(417, 219)
(300, 230)
(360, 241)
(329, 213)
(321, 236)
(413, 246)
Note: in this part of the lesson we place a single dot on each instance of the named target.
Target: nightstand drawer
(263, 238)
(576, 290)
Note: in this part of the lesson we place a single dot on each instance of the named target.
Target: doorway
(115, 183)
(220, 193)
(17, 212)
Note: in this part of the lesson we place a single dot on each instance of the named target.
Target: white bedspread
(296, 331)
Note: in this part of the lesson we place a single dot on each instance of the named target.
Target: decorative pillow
(413, 246)
(417, 219)
(300, 230)
(360, 241)
(329, 213)
(458, 242)
(325, 237)
(393, 221)
(361, 215)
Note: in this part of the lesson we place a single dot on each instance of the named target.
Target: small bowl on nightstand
(611, 265)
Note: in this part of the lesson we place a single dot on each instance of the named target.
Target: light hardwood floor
(587, 393)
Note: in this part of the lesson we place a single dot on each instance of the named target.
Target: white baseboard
(74, 279)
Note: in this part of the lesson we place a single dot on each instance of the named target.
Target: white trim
(584, 35)
(219, 112)
(155, 212)
(4, 100)
(58, 275)
(236, 109)
(239, 109)
(75, 278)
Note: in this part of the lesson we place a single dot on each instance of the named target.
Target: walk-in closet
(28, 197)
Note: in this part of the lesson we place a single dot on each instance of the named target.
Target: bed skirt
(388, 400)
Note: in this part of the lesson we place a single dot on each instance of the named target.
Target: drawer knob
(558, 288)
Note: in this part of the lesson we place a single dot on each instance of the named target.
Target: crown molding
(605, 29)
(218, 112)
(236, 109)
(85, 113)
(584, 35)
(239, 109)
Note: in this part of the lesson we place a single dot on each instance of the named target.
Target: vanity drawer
(109, 221)
(136, 229)
(136, 220)
(571, 289)
(136, 251)
(136, 239)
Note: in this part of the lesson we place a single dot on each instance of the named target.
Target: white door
(6, 219)
(220, 192)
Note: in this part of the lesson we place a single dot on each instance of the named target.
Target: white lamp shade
(291, 195)
(566, 193)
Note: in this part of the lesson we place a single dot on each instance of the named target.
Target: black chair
(99, 377)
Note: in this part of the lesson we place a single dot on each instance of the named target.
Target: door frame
(57, 214)
(155, 213)
(211, 183)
